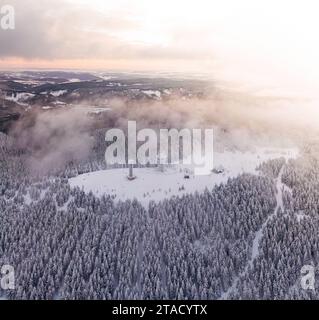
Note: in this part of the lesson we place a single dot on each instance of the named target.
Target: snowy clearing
(152, 93)
(58, 93)
(153, 184)
(19, 97)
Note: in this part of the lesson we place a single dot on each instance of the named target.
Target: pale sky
(251, 40)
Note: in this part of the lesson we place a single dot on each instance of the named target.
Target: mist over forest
(76, 225)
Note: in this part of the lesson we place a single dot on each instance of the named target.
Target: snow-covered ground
(152, 93)
(98, 110)
(153, 184)
(73, 80)
(58, 93)
(86, 109)
(19, 97)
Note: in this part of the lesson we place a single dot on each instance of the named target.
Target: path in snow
(280, 205)
(280, 186)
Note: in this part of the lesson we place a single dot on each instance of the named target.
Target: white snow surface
(58, 93)
(19, 97)
(153, 184)
(74, 80)
(91, 109)
(153, 93)
(98, 110)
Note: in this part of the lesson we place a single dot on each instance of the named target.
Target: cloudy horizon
(271, 42)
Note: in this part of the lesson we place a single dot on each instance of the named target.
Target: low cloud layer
(54, 139)
(241, 121)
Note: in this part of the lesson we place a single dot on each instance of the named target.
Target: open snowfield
(153, 184)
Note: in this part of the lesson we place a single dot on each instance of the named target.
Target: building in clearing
(219, 169)
(187, 173)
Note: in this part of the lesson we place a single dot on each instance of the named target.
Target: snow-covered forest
(244, 239)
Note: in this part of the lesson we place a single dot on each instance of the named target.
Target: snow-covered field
(153, 184)
(58, 93)
(19, 97)
(88, 109)
(152, 93)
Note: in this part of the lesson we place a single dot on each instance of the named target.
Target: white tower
(162, 162)
(131, 167)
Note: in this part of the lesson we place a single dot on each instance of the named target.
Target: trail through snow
(280, 186)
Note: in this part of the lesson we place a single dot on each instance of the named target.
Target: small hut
(219, 169)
